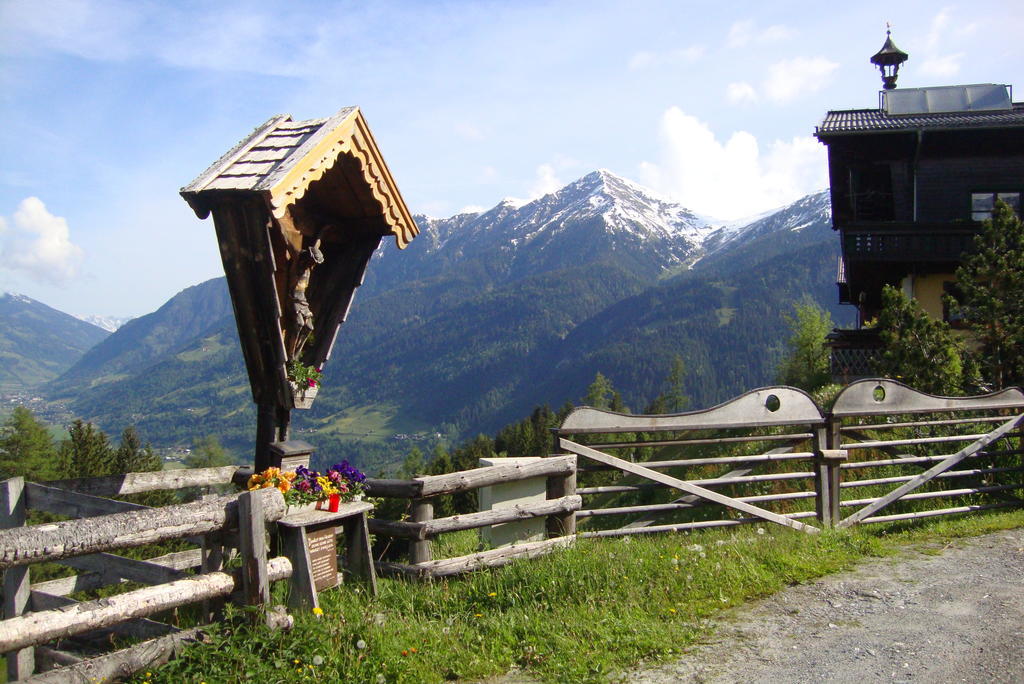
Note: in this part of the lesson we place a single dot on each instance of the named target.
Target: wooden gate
(891, 426)
(764, 416)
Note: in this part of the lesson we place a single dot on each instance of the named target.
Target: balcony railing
(907, 245)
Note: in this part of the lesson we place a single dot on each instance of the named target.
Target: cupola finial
(888, 60)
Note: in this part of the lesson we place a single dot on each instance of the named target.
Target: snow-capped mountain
(811, 210)
(108, 323)
(600, 218)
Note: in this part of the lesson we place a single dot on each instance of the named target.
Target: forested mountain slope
(37, 343)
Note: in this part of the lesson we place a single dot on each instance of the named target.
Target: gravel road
(957, 616)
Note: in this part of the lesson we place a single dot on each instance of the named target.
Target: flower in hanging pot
(305, 381)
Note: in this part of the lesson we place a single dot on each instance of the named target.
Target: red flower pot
(335, 501)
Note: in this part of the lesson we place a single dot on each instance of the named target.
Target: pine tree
(807, 364)
(207, 452)
(27, 448)
(132, 457)
(86, 452)
(917, 349)
(991, 284)
(599, 393)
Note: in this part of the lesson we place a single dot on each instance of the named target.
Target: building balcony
(915, 243)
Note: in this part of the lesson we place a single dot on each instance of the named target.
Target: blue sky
(109, 107)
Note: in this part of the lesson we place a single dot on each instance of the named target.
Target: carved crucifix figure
(300, 316)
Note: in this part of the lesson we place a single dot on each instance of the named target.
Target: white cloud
(683, 56)
(942, 67)
(943, 32)
(39, 243)
(642, 60)
(791, 77)
(736, 178)
(546, 181)
(741, 92)
(747, 32)
(468, 131)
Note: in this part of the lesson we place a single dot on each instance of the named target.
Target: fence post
(419, 550)
(17, 581)
(252, 544)
(558, 486)
(827, 461)
(212, 560)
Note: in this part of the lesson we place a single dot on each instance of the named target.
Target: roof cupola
(888, 61)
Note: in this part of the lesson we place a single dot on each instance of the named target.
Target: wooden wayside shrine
(299, 208)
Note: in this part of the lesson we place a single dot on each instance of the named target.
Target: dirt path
(953, 617)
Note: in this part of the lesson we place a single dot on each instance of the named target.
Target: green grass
(371, 423)
(579, 615)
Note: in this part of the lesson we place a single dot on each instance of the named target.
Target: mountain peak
(18, 297)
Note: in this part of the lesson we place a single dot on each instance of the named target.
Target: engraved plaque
(323, 557)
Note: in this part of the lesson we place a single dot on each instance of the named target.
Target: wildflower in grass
(672, 610)
(760, 530)
(361, 644)
(412, 649)
(405, 653)
(318, 660)
(493, 594)
(318, 611)
(479, 615)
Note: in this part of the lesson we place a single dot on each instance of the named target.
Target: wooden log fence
(422, 528)
(36, 614)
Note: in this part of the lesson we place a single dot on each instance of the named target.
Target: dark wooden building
(911, 181)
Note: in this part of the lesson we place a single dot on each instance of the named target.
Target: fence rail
(36, 614)
(558, 509)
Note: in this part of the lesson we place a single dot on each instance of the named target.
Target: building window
(956, 320)
(984, 203)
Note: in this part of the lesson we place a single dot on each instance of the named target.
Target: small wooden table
(296, 532)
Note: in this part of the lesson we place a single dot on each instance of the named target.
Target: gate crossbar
(927, 475)
(676, 483)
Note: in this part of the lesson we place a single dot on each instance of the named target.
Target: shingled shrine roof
(281, 159)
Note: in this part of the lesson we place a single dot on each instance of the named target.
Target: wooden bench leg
(358, 556)
(302, 595)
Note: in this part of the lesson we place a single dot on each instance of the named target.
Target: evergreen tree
(599, 393)
(132, 457)
(991, 284)
(413, 465)
(86, 452)
(673, 399)
(917, 349)
(27, 448)
(207, 452)
(807, 364)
